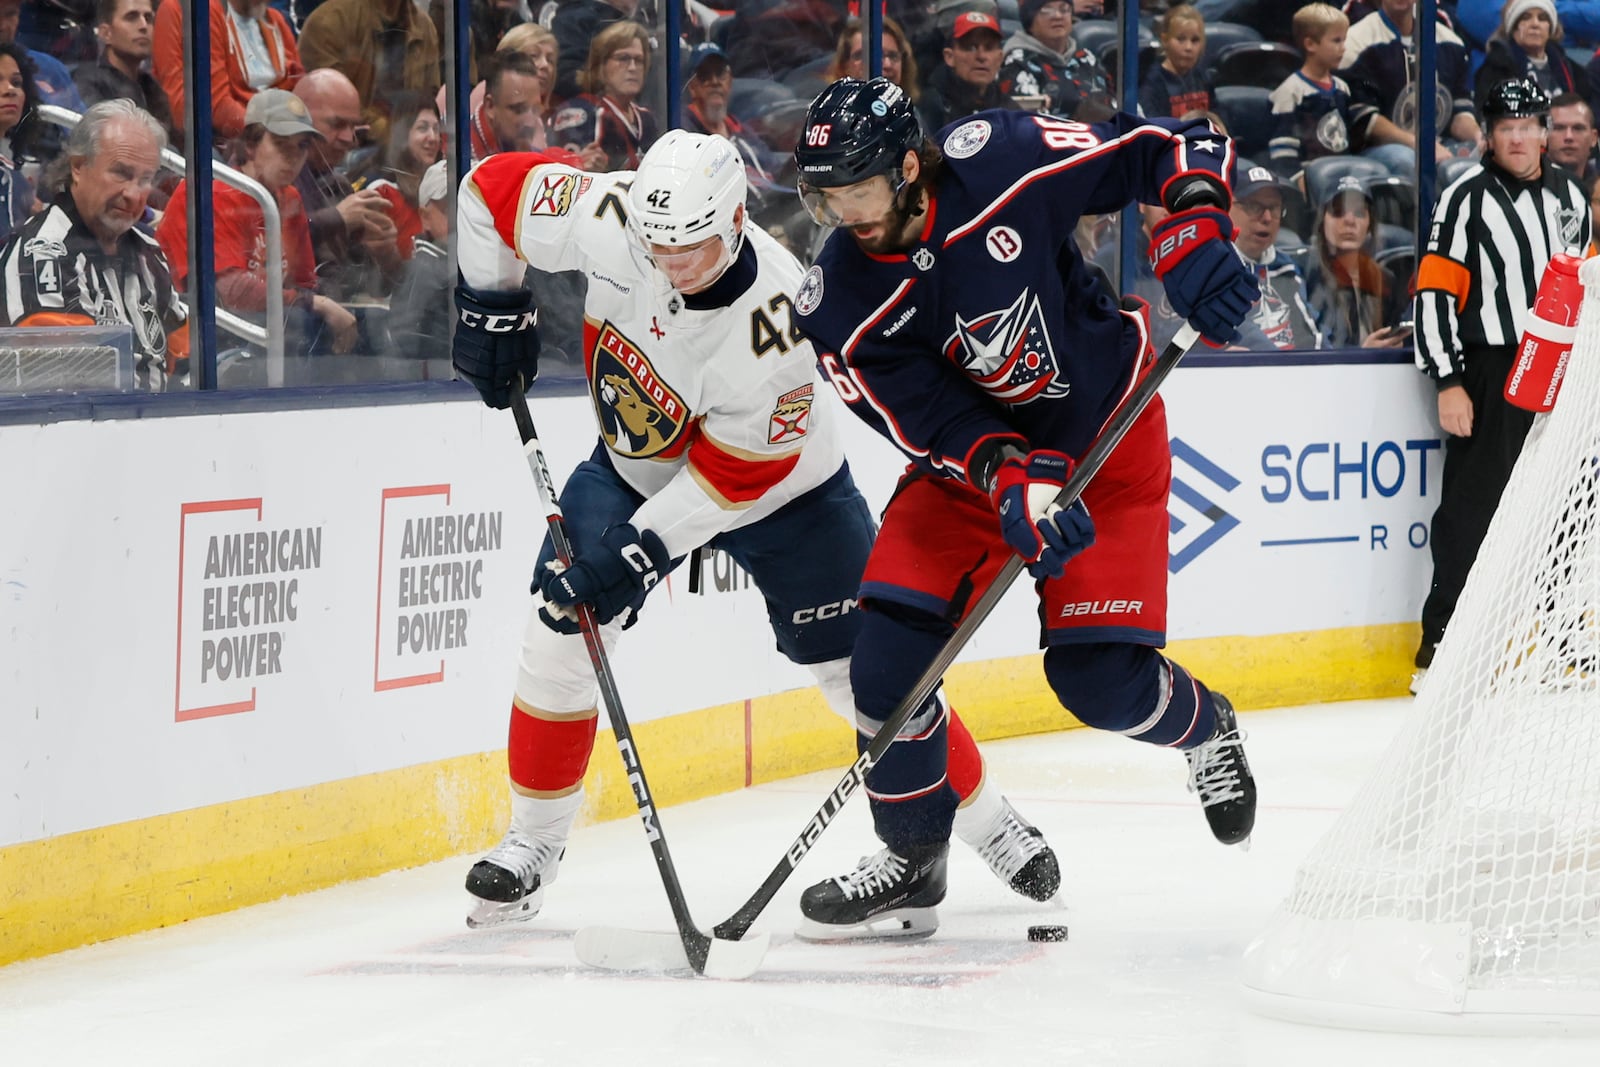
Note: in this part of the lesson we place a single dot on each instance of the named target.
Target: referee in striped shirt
(1494, 230)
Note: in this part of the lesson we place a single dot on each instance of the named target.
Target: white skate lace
(1214, 770)
(521, 857)
(871, 874)
(1010, 845)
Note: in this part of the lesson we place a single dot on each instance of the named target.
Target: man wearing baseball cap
(1282, 313)
(706, 111)
(420, 311)
(967, 81)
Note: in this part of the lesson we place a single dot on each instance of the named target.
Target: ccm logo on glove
(477, 320)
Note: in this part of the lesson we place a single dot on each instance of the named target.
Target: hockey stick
(708, 955)
(855, 778)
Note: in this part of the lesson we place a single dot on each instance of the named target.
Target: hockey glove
(1207, 282)
(1045, 535)
(496, 341)
(612, 578)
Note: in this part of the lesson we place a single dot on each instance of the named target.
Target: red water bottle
(1535, 378)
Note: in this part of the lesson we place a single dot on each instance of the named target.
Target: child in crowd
(1178, 85)
(1314, 114)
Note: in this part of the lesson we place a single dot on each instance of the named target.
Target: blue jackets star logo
(1008, 353)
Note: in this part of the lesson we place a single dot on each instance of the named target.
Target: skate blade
(617, 949)
(901, 924)
(487, 913)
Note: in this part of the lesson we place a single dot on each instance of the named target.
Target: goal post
(1460, 890)
(38, 359)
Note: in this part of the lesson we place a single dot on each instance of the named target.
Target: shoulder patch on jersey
(809, 296)
(967, 139)
(790, 416)
(44, 248)
(554, 194)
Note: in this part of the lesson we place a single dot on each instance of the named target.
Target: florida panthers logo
(640, 415)
(1008, 353)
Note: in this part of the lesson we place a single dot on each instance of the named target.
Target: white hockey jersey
(717, 417)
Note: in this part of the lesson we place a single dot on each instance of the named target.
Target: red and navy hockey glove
(496, 340)
(1045, 535)
(611, 578)
(1207, 282)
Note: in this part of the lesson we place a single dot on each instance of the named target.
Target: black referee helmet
(1516, 98)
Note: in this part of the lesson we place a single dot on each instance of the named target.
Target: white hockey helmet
(688, 189)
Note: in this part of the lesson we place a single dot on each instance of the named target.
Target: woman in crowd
(899, 65)
(1358, 302)
(18, 127)
(1043, 62)
(271, 148)
(606, 126)
(412, 147)
(1527, 44)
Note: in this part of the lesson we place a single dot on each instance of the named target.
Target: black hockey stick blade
(855, 778)
(602, 947)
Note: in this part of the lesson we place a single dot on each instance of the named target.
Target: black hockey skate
(1220, 775)
(508, 884)
(886, 896)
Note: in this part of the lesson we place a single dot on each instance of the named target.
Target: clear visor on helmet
(853, 205)
(687, 268)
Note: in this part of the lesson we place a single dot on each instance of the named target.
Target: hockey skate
(508, 884)
(1013, 847)
(1221, 777)
(886, 896)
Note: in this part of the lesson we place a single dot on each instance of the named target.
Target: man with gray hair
(83, 262)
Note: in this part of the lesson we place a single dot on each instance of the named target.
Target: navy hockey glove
(1024, 494)
(1207, 282)
(612, 578)
(497, 340)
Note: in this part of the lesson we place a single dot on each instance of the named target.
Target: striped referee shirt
(1491, 239)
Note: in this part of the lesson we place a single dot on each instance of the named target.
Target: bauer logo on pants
(244, 582)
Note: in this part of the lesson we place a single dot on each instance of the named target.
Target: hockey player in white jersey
(714, 430)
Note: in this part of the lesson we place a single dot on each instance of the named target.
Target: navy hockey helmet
(1516, 98)
(853, 131)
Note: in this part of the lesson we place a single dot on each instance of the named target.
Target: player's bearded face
(871, 210)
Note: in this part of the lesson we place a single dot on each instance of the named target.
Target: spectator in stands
(1527, 44)
(539, 45)
(899, 65)
(383, 46)
(1314, 114)
(126, 30)
(411, 148)
(1042, 60)
(51, 78)
(19, 129)
(1573, 136)
(1282, 313)
(252, 48)
(608, 117)
(511, 118)
(1178, 83)
(707, 90)
(968, 79)
(272, 148)
(1477, 20)
(576, 25)
(420, 313)
(1357, 301)
(353, 236)
(1380, 66)
(81, 261)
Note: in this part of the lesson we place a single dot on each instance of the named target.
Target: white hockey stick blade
(616, 949)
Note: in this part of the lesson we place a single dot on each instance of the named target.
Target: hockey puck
(1047, 933)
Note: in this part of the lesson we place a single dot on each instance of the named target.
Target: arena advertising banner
(204, 608)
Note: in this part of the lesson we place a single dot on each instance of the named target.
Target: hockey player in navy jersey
(712, 431)
(953, 312)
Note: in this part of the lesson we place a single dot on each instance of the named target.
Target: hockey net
(1461, 888)
(36, 359)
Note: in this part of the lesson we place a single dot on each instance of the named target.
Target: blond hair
(524, 37)
(1178, 14)
(1314, 21)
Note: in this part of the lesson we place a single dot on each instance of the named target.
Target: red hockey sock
(965, 768)
(549, 755)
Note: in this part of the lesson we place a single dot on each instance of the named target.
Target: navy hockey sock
(1132, 690)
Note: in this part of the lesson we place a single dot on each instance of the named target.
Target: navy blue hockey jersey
(991, 324)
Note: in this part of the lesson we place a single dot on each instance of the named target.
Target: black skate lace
(872, 873)
(1214, 769)
(1011, 846)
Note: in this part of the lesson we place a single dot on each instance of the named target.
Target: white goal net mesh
(42, 359)
(1463, 882)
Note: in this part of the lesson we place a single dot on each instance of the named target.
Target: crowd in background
(336, 108)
